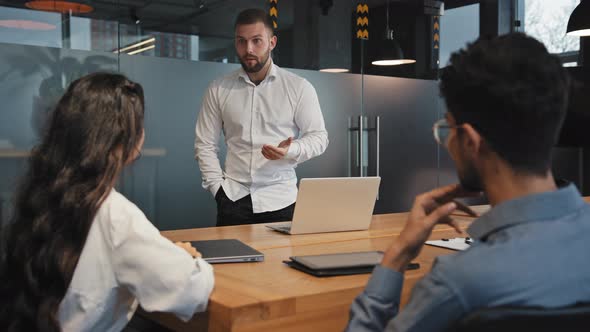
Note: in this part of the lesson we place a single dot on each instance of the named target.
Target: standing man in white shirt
(271, 120)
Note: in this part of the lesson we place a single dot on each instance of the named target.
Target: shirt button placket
(252, 133)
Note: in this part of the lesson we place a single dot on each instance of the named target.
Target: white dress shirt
(125, 261)
(283, 105)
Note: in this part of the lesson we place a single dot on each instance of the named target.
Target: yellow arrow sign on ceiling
(362, 34)
(436, 26)
(436, 37)
(362, 8)
(362, 21)
(273, 12)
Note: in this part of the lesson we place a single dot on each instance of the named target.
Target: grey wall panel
(408, 159)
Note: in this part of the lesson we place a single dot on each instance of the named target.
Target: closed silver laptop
(227, 251)
(332, 205)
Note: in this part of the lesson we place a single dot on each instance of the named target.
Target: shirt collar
(530, 208)
(272, 72)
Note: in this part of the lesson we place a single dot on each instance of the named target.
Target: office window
(547, 21)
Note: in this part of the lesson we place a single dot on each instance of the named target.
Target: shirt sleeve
(313, 136)
(207, 133)
(162, 276)
(378, 303)
(433, 305)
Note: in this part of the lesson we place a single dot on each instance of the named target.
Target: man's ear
(273, 42)
(472, 140)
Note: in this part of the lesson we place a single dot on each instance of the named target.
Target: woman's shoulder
(118, 217)
(117, 206)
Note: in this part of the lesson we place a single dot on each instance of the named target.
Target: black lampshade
(390, 53)
(579, 22)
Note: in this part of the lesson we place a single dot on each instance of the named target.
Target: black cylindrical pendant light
(389, 52)
(579, 22)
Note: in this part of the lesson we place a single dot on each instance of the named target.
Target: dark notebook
(339, 264)
(227, 251)
(336, 264)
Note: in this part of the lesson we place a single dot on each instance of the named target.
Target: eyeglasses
(441, 131)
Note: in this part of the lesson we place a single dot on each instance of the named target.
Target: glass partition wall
(379, 118)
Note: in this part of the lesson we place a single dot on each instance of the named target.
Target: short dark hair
(252, 16)
(514, 93)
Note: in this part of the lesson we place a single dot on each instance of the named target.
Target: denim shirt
(530, 251)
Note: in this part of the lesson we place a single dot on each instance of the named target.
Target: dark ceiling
(213, 18)
(203, 17)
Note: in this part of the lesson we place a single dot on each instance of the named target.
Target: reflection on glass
(28, 27)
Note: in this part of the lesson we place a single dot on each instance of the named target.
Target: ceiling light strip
(142, 49)
(147, 41)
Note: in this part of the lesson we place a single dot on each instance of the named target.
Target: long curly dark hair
(92, 134)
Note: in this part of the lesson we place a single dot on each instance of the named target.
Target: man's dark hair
(514, 93)
(252, 16)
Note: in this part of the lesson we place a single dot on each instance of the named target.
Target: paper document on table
(458, 243)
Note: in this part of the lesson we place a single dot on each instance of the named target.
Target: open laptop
(227, 251)
(332, 205)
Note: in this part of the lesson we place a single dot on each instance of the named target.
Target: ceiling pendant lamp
(59, 6)
(579, 22)
(389, 52)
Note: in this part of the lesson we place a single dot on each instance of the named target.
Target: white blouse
(126, 262)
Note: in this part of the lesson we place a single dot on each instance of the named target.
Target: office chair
(572, 319)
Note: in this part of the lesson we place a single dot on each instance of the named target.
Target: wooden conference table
(270, 296)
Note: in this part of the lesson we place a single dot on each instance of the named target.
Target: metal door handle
(361, 145)
(377, 129)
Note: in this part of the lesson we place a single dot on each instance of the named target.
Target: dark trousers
(240, 212)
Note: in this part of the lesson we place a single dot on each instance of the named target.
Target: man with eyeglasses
(271, 121)
(506, 99)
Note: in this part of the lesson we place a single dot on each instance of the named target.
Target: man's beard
(470, 179)
(257, 67)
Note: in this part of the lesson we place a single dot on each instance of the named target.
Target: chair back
(572, 319)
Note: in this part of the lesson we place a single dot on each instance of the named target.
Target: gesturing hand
(429, 209)
(271, 152)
